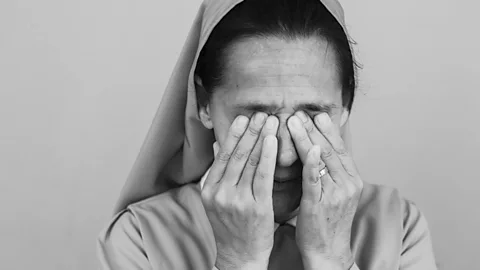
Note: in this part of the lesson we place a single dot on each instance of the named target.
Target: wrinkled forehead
(272, 74)
(274, 62)
(212, 11)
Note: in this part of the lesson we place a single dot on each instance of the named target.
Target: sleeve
(120, 245)
(417, 250)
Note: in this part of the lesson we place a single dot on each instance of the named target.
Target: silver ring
(323, 171)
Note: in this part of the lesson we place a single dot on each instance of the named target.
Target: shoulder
(377, 200)
(390, 230)
(120, 244)
(164, 228)
(172, 201)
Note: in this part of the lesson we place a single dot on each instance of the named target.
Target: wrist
(324, 262)
(241, 265)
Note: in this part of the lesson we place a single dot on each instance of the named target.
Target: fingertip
(241, 122)
(270, 141)
(271, 124)
(216, 148)
(314, 153)
(294, 123)
(322, 120)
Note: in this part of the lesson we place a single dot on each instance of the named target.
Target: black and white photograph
(239, 135)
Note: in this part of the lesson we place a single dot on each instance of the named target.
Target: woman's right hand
(237, 194)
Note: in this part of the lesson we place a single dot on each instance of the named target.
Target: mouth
(280, 184)
(286, 179)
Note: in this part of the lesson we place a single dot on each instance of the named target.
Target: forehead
(274, 70)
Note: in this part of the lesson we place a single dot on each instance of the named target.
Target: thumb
(312, 185)
(216, 148)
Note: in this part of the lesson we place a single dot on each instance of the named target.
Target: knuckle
(327, 152)
(239, 205)
(334, 202)
(253, 161)
(338, 196)
(206, 198)
(351, 190)
(219, 200)
(261, 211)
(253, 131)
(224, 156)
(216, 198)
(303, 137)
(237, 134)
(314, 178)
(342, 151)
(351, 171)
(206, 194)
(239, 154)
(309, 127)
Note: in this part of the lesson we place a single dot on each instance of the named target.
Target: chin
(286, 202)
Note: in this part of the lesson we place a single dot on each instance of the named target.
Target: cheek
(336, 117)
(222, 117)
(221, 125)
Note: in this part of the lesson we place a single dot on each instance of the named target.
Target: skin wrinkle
(266, 62)
(285, 74)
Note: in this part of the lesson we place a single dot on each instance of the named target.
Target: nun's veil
(177, 148)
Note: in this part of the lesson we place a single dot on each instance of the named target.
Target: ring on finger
(323, 171)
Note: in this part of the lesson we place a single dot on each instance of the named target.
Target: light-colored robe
(171, 231)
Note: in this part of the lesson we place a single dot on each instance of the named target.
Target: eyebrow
(310, 106)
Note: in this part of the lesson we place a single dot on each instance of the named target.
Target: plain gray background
(81, 80)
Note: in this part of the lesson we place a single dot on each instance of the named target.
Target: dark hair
(286, 19)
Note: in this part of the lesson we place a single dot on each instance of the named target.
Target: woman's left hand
(329, 202)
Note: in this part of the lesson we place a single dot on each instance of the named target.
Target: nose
(287, 155)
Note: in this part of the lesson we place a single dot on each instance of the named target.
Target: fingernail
(269, 141)
(271, 123)
(302, 115)
(259, 118)
(322, 119)
(294, 123)
(242, 122)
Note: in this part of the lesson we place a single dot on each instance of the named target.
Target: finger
(300, 137)
(220, 163)
(263, 179)
(216, 148)
(240, 155)
(312, 184)
(270, 128)
(334, 166)
(330, 157)
(329, 186)
(316, 137)
(331, 133)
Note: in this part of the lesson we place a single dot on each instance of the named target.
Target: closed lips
(282, 180)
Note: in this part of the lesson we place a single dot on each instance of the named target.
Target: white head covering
(178, 148)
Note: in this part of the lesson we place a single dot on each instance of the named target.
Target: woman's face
(277, 77)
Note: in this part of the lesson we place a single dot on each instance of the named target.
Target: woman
(272, 82)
